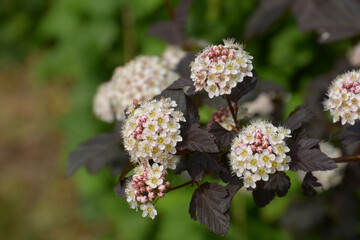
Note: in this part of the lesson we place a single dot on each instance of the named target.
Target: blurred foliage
(81, 42)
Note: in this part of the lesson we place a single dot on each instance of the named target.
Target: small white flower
(148, 210)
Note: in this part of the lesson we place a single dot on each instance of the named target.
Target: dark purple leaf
(120, 187)
(201, 162)
(308, 185)
(222, 136)
(298, 117)
(306, 156)
(332, 19)
(196, 139)
(350, 134)
(183, 67)
(264, 16)
(243, 87)
(95, 153)
(183, 83)
(278, 184)
(181, 15)
(167, 31)
(184, 104)
(173, 31)
(207, 206)
(127, 168)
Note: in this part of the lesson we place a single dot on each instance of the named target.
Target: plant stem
(169, 9)
(232, 112)
(354, 158)
(180, 186)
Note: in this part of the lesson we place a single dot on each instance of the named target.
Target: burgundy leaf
(167, 31)
(309, 182)
(207, 206)
(306, 156)
(265, 191)
(332, 19)
(196, 139)
(95, 153)
(183, 67)
(350, 134)
(264, 16)
(120, 187)
(298, 117)
(243, 87)
(127, 168)
(199, 163)
(183, 83)
(222, 136)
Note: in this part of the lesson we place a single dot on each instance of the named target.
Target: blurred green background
(53, 55)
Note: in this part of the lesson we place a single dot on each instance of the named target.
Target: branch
(354, 158)
(180, 186)
(232, 112)
(169, 9)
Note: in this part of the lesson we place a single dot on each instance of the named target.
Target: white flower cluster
(259, 150)
(344, 98)
(147, 183)
(225, 119)
(152, 131)
(141, 79)
(172, 56)
(218, 68)
(101, 104)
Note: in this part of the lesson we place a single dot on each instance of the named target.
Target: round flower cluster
(147, 183)
(225, 118)
(172, 56)
(259, 150)
(152, 131)
(141, 79)
(218, 68)
(102, 103)
(344, 98)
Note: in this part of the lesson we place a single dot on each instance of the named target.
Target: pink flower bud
(258, 135)
(206, 54)
(144, 118)
(137, 192)
(143, 199)
(218, 58)
(253, 148)
(138, 198)
(167, 184)
(259, 150)
(257, 141)
(164, 172)
(142, 189)
(211, 55)
(161, 188)
(160, 194)
(217, 52)
(265, 144)
(214, 48)
(355, 84)
(270, 149)
(265, 138)
(231, 55)
(257, 130)
(213, 60)
(133, 134)
(151, 195)
(148, 188)
(138, 137)
(352, 89)
(135, 102)
(220, 46)
(223, 58)
(224, 52)
(134, 184)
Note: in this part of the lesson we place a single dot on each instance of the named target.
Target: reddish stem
(354, 158)
(232, 112)
(180, 186)
(169, 9)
